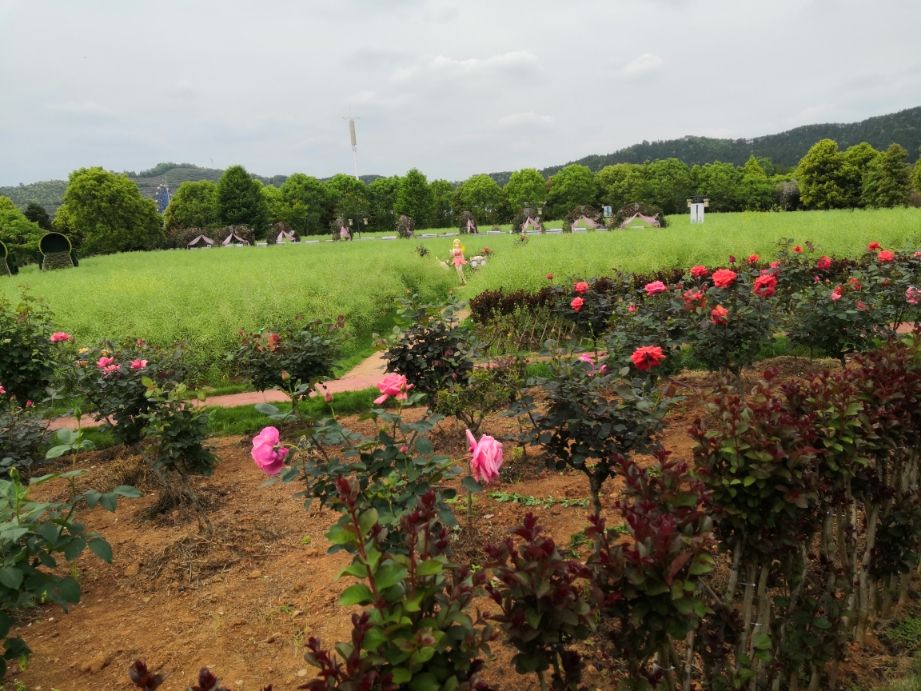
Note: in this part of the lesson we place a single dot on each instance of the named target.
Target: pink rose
(577, 304)
(392, 385)
(486, 458)
(104, 362)
(138, 364)
(60, 337)
(109, 369)
(2, 390)
(404, 448)
(268, 455)
(655, 287)
(885, 256)
(698, 271)
(28, 404)
(631, 308)
(581, 287)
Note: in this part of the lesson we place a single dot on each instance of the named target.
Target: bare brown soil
(244, 599)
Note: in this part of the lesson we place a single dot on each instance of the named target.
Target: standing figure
(344, 233)
(457, 254)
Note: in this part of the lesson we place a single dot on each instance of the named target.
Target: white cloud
(82, 109)
(809, 115)
(365, 96)
(529, 118)
(520, 62)
(645, 64)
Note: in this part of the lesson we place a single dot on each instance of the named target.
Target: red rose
(823, 263)
(854, 283)
(549, 277)
(885, 256)
(872, 246)
(581, 287)
(775, 265)
(732, 259)
(646, 357)
(724, 278)
(752, 258)
(718, 315)
(698, 271)
(577, 304)
(765, 285)
(693, 299)
(797, 249)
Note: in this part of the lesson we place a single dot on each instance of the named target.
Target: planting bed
(244, 599)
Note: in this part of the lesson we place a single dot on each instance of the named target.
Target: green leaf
(56, 452)
(471, 485)
(6, 621)
(66, 436)
(366, 520)
(424, 446)
(401, 675)
(101, 549)
(358, 594)
(356, 570)
(429, 567)
(11, 577)
(761, 641)
(388, 575)
(266, 409)
(69, 590)
(424, 682)
(74, 548)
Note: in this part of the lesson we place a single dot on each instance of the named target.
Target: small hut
(199, 242)
(57, 252)
(7, 263)
(233, 238)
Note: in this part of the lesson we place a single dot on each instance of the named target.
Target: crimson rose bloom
(581, 287)
(577, 304)
(823, 263)
(765, 285)
(718, 315)
(752, 258)
(549, 277)
(872, 246)
(885, 256)
(724, 278)
(797, 249)
(647, 356)
(698, 271)
(655, 287)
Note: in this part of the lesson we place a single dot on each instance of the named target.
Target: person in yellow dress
(457, 254)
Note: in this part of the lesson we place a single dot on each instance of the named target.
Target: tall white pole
(354, 145)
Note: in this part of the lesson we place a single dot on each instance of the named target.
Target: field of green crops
(206, 296)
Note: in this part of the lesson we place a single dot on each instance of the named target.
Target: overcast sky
(452, 88)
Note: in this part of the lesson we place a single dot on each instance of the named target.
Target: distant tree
(887, 182)
(721, 183)
(443, 214)
(668, 183)
(17, 232)
(37, 214)
(621, 184)
(415, 199)
(916, 174)
(525, 186)
(857, 160)
(107, 213)
(823, 179)
(756, 191)
(481, 196)
(240, 201)
(571, 187)
(192, 206)
(383, 195)
(306, 204)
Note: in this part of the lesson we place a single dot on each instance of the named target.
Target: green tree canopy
(857, 160)
(525, 186)
(383, 195)
(481, 196)
(916, 174)
(415, 199)
(823, 179)
(192, 206)
(887, 182)
(306, 204)
(720, 182)
(241, 201)
(571, 187)
(17, 232)
(443, 213)
(38, 215)
(106, 213)
(668, 183)
(756, 191)
(621, 184)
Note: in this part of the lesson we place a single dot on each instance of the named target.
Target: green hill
(784, 149)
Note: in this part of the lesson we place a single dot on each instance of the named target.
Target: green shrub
(27, 355)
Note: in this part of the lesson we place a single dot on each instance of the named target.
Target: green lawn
(207, 296)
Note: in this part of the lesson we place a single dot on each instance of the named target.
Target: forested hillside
(784, 149)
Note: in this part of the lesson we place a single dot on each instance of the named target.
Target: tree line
(104, 212)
